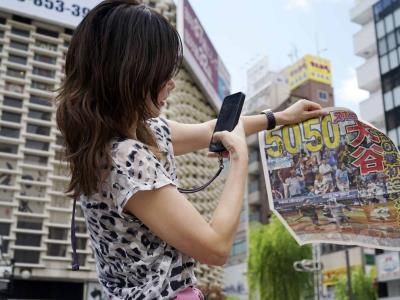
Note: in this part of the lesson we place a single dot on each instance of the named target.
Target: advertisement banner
(310, 67)
(388, 266)
(200, 56)
(334, 179)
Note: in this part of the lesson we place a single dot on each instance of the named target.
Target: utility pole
(348, 270)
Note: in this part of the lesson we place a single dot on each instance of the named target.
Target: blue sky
(243, 31)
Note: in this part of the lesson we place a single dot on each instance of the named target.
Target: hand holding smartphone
(228, 118)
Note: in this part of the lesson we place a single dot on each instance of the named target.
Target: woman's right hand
(234, 142)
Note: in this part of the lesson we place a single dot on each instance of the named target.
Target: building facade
(378, 42)
(387, 28)
(34, 212)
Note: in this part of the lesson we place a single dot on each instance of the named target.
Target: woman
(146, 236)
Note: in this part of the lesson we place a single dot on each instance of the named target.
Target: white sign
(388, 266)
(66, 13)
(235, 281)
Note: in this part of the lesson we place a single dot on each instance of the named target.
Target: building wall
(34, 212)
(387, 28)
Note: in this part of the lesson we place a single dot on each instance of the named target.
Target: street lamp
(310, 266)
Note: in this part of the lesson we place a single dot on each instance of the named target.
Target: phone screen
(228, 117)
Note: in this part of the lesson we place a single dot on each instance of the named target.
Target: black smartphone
(228, 117)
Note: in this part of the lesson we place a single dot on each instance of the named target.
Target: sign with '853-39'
(62, 12)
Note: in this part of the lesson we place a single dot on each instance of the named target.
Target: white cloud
(305, 4)
(293, 4)
(348, 91)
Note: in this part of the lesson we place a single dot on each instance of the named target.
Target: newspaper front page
(334, 179)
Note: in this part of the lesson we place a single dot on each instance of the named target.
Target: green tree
(361, 283)
(272, 252)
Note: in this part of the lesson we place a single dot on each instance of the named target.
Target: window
(38, 114)
(388, 100)
(38, 145)
(254, 186)
(253, 156)
(239, 247)
(7, 148)
(28, 239)
(393, 59)
(323, 95)
(26, 256)
(81, 243)
(389, 23)
(22, 19)
(384, 64)
(382, 46)
(21, 32)
(60, 140)
(380, 29)
(19, 45)
(15, 73)
(42, 86)
(1, 34)
(5, 229)
(35, 159)
(392, 134)
(45, 59)
(47, 32)
(59, 156)
(36, 129)
(11, 117)
(56, 250)
(9, 132)
(396, 96)
(15, 88)
(43, 72)
(398, 37)
(29, 223)
(391, 40)
(17, 59)
(2, 20)
(39, 100)
(396, 15)
(46, 45)
(13, 102)
(56, 233)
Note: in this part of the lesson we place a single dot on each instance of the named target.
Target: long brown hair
(121, 53)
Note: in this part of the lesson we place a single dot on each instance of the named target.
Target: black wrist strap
(198, 189)
(271, 119)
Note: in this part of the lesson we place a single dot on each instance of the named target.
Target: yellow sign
(309, 68)
(331, 276)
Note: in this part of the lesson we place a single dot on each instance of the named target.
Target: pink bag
(190, 293)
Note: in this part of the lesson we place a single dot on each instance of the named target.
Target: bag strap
(75, 261)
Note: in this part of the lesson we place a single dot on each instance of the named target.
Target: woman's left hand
(300, 111)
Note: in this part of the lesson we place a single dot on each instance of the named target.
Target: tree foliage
(362, 286)
(272, 252)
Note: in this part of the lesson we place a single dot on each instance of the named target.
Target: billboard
(66, 13)
(310, 67)
(200, 55)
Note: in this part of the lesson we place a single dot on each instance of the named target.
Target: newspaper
(334, 179)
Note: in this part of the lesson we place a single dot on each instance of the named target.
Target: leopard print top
(132, 262)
